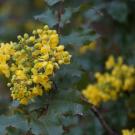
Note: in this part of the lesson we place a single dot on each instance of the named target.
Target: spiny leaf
(47, 17)
(118, 10)
(63, 103)
(14, 121)
(78, 38)
(52, 2)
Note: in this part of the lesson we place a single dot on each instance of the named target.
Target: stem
(101, 119)
(59, 13)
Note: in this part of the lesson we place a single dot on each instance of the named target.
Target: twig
(59, 13)
(55, 88)
(101, 119)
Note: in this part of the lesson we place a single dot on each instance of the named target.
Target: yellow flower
(99, 77)
(129, 84)
(45, 49)
(54, 40)
(6, 51)
(94, 95)
(47, 86)
(91, 46)
(7, 48)
(109, 85)
(20, 75)
(60, 48)
(4, 69)
(38, 45)
(128, 132)
(40, 78)
(24, 101)
(117, 84)
(110, 62)
(113, 94)
(120, 61)
(32, 39)
(49, 68)
(31, 63)
(3, 58)
(37, 91)
(40, 65)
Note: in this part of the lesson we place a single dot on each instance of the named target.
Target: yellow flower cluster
(6, 51)
(118, 78)
(128, 132)
(83, 49)
(31, 63)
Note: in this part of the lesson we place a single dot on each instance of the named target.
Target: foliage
(109, 25)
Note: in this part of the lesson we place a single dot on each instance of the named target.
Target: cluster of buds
(31, 63)
(118, 79)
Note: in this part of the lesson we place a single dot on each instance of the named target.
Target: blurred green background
(16, 17)
(109, 23)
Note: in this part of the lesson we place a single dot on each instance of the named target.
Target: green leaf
(94, 14)
(37, 127)
(52, 2)
(13, 131)
(45, 127)
(47, 18)
(118, 10)
(65, 18)
(62, 104)
(14, 121)
(75, 131)
(115, 109)
(79, 38)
